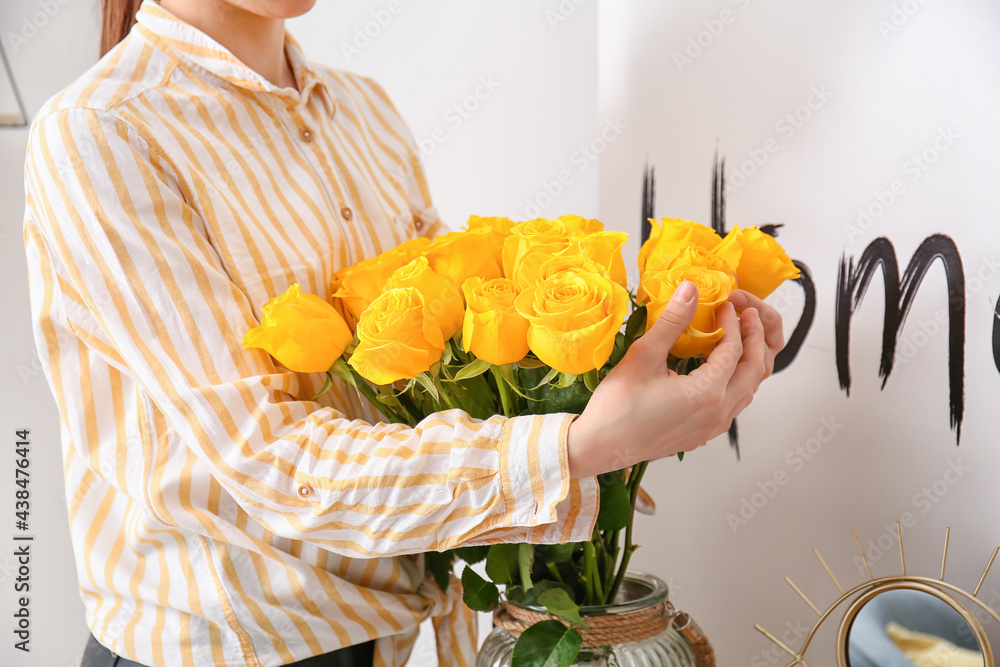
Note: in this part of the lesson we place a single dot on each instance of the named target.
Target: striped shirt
(218, 514)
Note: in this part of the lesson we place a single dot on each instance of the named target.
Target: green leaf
(525, 559)
(558, 603)
(477, 367)
(425, 381)
(545, 380)
(565, 380)
(530, 362)
(342, 370)
(326, 386)
(502, 563)
(507, 373)
(636, 325)
(549, 398)
(472, 555)
(556, 553)
(590, 379)
(616, 507)
(680, 456)
(479, 594)
(519, 596)
(446, 355)
(547, 644)
(439, 563)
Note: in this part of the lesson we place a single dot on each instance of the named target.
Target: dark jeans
(362, 655)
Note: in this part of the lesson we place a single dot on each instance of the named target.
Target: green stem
(386, 411)
(612, 551)
(634, 480)
(505, 394)
(409, 407)
(554, 571)
(449, 400)
(588, 571)
(598, 586)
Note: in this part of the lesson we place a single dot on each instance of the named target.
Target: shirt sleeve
(114, 238)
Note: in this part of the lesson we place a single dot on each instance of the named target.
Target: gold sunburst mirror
(901, 619)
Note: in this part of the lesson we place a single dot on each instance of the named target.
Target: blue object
(870, 646)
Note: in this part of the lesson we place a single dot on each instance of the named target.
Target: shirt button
(346, 212)
(418, 224)
(305, 491)
(306, 134)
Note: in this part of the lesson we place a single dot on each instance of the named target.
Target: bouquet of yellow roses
(514, 319)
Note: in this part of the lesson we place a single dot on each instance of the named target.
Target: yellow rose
(461, 255)
(576, 224)
(497, 224)
(442, 299)
(302, 331)
(500, 228)
(573, 318)
(359, 285)
(692, 255)
(605, 248)
(541, 237)
(761, 263)
(554, 265)
(396, 341)
(533, 242)
(714, 288)
(493, 329)
(668, 235)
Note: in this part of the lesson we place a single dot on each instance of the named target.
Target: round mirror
(906, 627)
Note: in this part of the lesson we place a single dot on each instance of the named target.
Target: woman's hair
(119, 17)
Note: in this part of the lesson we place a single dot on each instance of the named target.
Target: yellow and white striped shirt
(218, 515)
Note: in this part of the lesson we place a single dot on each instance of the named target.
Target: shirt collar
(193, 46)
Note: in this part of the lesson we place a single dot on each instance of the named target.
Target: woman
(219, 516)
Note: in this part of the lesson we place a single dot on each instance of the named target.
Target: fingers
(722, 362)
(774, 335)
(751, 369)
(653, 347)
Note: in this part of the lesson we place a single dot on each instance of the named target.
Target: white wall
(888, 98)
(491, 156)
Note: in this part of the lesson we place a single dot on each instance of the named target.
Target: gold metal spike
(829, 571)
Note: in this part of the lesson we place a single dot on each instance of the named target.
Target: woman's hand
(643, 411)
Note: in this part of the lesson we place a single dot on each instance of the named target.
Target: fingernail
(685, 293)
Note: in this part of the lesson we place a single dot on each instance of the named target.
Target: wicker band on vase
(609, 630)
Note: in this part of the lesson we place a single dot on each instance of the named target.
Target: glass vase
(642, 596)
